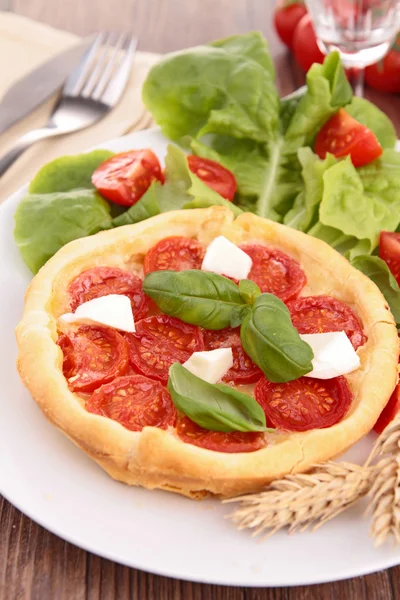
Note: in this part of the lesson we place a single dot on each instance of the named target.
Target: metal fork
(89, 93)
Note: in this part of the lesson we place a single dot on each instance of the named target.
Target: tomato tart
(108, 390)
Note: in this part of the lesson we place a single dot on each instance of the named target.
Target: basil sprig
(271, 341)
(249, 291)
(213, 406)
(197, 297)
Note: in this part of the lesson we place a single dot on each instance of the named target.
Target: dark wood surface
(34, 564)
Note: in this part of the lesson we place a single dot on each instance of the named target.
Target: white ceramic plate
(44, 475)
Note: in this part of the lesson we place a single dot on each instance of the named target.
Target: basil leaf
(249, 290)
(271, 341)
(213, 406)
(197, 297)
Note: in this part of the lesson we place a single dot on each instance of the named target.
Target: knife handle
(23, 143)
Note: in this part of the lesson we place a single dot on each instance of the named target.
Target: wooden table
(36, 565)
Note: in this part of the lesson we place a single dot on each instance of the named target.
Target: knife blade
(36, 87)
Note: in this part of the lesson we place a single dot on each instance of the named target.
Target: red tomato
(217, 177)
(385, 74)
(305, 47)
(125, 177)
(135, 402)
(286, 16)
(93, 356)
(234, 441)
(389, 251)
(101, 281)
(174, 254)
(304, 403)
(275, 272)
(243, 370)
(160, 341)
(343, 135)
(320, 314)
(389, 412)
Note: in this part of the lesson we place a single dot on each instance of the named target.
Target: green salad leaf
(368, 114)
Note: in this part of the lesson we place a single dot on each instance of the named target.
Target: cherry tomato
(159, 341)
(343, 135)
(385, 74)
(389, 412)
(174, 254)
(93, 356)
(275, 272)
(125, 177)
(217, 177)
(320, 314)
(286, 16)
(101, 281)
(304, 403)
(135, 402)
(305, 47)
(389, 251)
(234, 441)
(243, 370)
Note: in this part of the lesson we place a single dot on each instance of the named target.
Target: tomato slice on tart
(389, 251)
(219, 441)
(101, 281)
(342, 135)
(389, 412)
(126, 176)
(134, 401)
(213, 174)
(243, 370)
(93, 356)
(320, 314)
(174, 254)
(304, 403)
(159, 341)
(275, 272)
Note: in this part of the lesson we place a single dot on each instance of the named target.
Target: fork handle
(22, 144)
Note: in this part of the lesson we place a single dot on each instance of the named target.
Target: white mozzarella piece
(334, 354)
(225, 258)
(114, 310)
(210, 365)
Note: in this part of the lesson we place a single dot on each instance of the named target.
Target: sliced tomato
(389, 251)
(342, 135)
(286, 17)
(213, 174)
(160, 341)
(305, 47)
(135, 402)
(93, 356)
(125, 177)
(320, 314)
(389, 412)
(385, 74)
(101, 281)
(243, 370)
(174, 254)
(275, 272)
(234, 441)
(304, 403)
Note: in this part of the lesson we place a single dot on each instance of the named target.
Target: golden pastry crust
(155, 458)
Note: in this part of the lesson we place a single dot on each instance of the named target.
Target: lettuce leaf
(368, 114)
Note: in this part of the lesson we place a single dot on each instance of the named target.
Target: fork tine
(99, 66)
(75, 81)
(120, 77)
(112, 62)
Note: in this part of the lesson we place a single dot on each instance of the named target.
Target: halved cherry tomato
(93, 356)
(286, 17)
(174, 254)
(125, 177)
(343, 135)
(101, 281)
(213, 174)
(135, 402)
(243, 370)
(159, 341)
(389, 412)
(219, 441)
(304, 403)
(320, 314)
(389, 251)
(305, 47)
(275, 272)
(385, 74)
